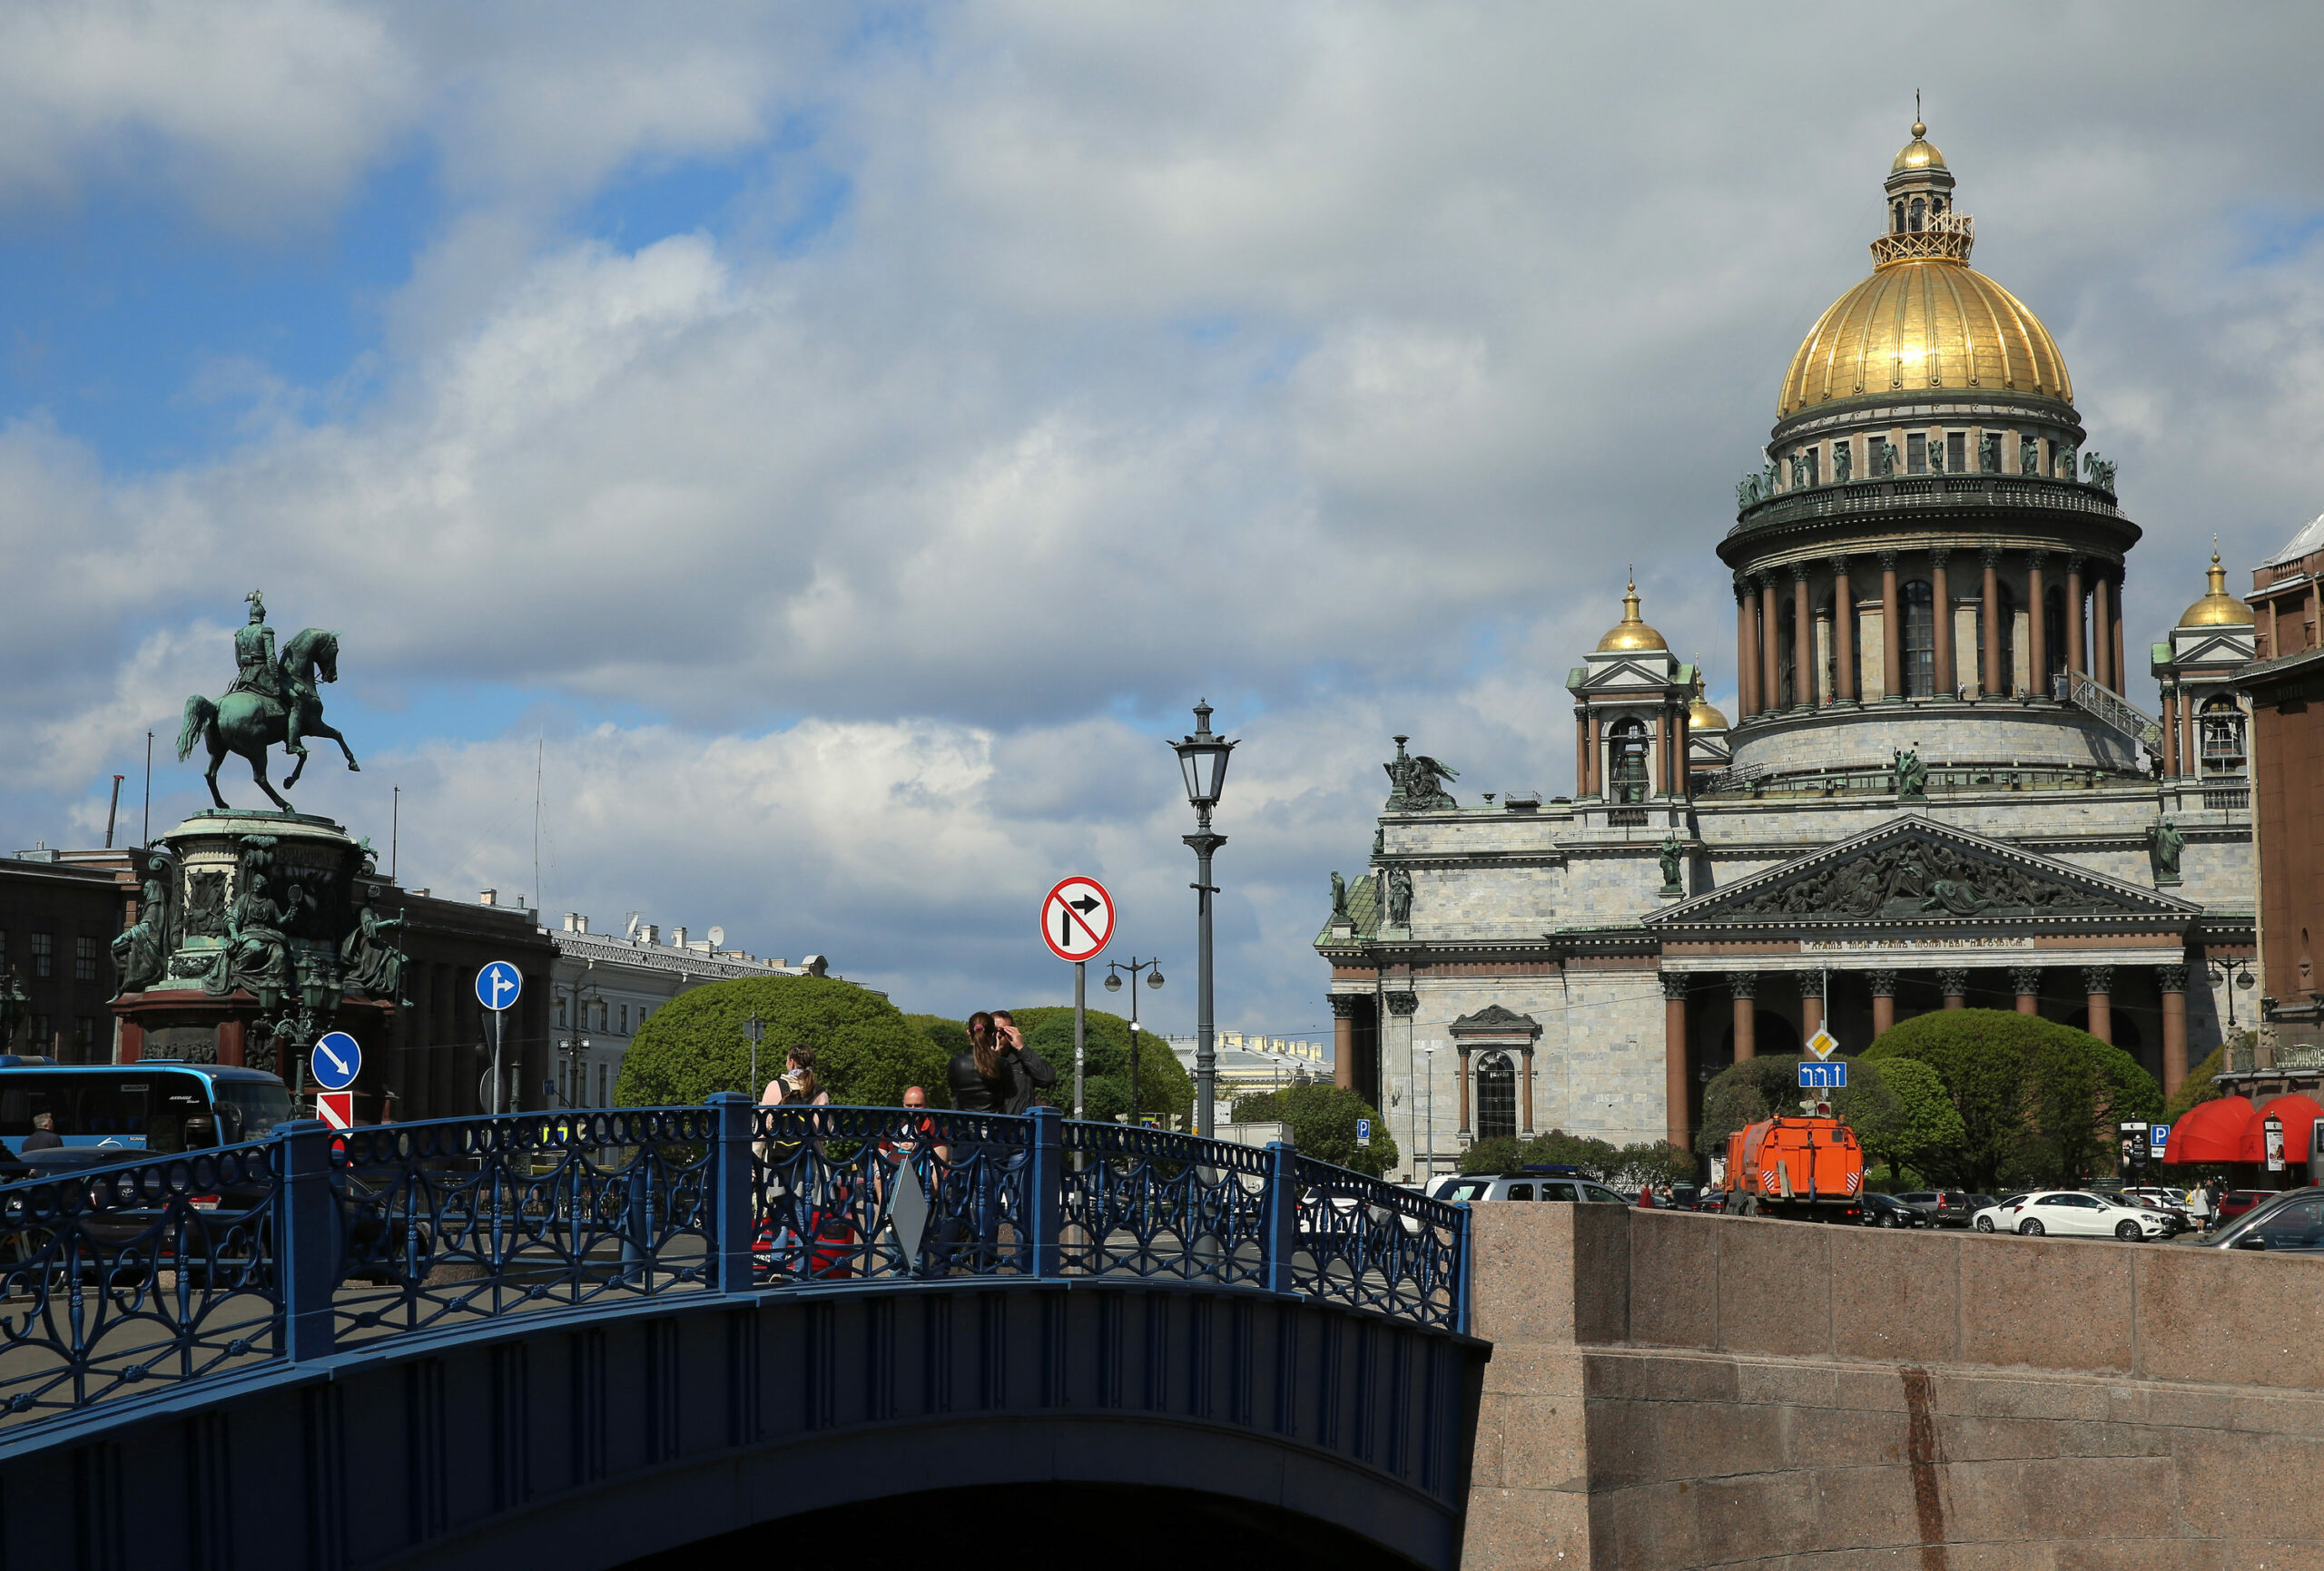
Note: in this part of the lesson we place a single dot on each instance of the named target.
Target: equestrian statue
(272, 701)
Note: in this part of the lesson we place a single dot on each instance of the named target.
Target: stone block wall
(1672, 1390)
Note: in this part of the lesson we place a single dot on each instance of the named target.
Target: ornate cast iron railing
(127, 1280)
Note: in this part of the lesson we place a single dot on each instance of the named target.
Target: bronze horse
(248, 722)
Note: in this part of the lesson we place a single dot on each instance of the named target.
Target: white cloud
(1335, 361)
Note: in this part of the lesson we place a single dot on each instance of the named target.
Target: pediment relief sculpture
(1920, 877)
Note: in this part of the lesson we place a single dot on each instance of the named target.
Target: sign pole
(497, 1019)
(1080, 1030)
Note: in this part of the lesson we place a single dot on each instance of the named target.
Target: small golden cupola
(2217, 608)
(1630, 633)
(1700, 716)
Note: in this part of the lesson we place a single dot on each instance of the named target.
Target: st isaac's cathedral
(1934, 794)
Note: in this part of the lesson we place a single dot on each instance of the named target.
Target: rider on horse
(257, 669)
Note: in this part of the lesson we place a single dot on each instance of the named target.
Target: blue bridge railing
(159, 1274)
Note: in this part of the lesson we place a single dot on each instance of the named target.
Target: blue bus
(163, 1106)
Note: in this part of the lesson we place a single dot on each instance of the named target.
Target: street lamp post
(1114, 969)
(1202, 759)
(2232, 974)
(1428, 1119)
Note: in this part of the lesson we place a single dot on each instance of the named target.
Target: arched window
(1896, 217)
(1919, 210)
(1920, 638)
(2005, 604)
(1786, 645)
(2054, 633)
(1496, 1097)
(2222, 723)
(1626, 760)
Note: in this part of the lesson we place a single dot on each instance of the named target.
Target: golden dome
(1924, 323)
(1701, 715)
(2217, 608)
(1630, 633)
(1919, 153)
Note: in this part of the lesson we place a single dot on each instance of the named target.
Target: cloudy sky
(839, 443)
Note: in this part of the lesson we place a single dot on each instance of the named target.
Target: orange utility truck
(1811, 1169)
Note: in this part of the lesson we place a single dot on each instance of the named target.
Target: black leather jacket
(1022, 1075)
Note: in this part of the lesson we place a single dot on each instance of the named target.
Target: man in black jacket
(1026, 1071)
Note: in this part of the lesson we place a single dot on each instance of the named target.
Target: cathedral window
(2222, 720)
(1919, 209)
(2054, 633)
(1896, 217)
(2005, 603)
(1496, 1098)
(1957, 452)
(1915, 453)
(1812, 456)
(1786, 650)
(1920, 638)
(1626, 760)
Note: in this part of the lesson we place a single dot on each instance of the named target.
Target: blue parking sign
(1363, 1133)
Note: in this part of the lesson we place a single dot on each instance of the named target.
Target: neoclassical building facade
(1935, 793)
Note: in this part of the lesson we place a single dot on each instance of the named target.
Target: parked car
(2291, 1222)
(1941, 1207)
(1478, 1186)
(1878, 1210)
(1996, 1217)
(2079, 1213)
(2236, 1202)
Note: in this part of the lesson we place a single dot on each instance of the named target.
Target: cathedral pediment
(1604, 673)
(1917, 871)
(1493, 1020)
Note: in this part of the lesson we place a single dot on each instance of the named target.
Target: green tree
(1163, 1087)
(1322, 1124)
(1626, 1167)
(1746, 1091)
(866, 1051)
(2037, 1100)
(951, 1036)
(1901, 1113)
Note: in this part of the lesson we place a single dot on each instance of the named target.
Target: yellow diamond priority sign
(1823, 1044)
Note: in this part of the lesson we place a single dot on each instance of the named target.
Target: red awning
(2298, 1113)
(2212, 1132)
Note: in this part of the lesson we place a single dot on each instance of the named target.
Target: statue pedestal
(252, 941)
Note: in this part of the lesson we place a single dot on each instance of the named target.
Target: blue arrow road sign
(497, 985)
(337, 1060)
(1830, 1077)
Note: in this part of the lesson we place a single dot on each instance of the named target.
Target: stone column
(1744, 986)
(1884, 1000)
(2098, 984)
(2120, 663)
(2102, 636)
(2172, 981)
(1992, 681)
(1843, 633)
(1663, 737)
(1892, 637)
(1674, 1059)
(2074, 661)
(2191, 763)
(1581, 753)
(1343, 1040)
(1527, 1072)
(1948, 680)
(1770, 677)
(1684, 728)
(1803, 638)
(2037, 627)
(1811, 1003)
(1593, 756)
(2174, 760)
(1747, 658)
(2027, 982)
(1953, 981)
(1465, 1130)
(1395, 1033)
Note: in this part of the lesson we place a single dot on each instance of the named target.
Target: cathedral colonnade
(1940, 620)
(1716, 1013)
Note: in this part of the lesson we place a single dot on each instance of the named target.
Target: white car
(2072, 1214)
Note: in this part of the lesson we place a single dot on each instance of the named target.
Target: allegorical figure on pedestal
(372, 962)
(257, 954)
(140, 956)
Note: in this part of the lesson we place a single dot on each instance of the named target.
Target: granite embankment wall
(1672, 1390)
